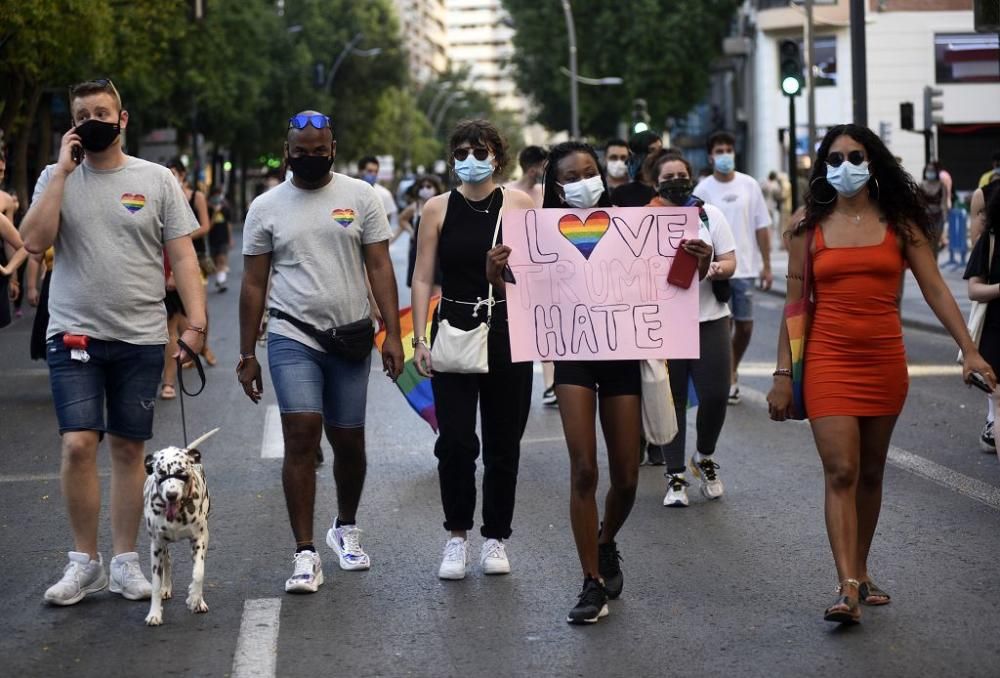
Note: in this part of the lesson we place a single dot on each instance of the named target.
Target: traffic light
(790, 70)
(932, 103)
(640, 116)
(906, 116)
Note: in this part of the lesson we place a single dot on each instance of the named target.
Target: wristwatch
(418, 340)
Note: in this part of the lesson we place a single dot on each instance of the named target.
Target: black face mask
(311, 168)
(97, 135)
(677, 191)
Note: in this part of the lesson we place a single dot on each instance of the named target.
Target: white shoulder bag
(465, 351)
(977, 311)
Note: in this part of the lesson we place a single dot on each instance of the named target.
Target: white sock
(220, 277)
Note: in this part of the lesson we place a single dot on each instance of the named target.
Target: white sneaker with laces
(493, 558)
(127, 578)
(308, 574)
(346, 543)
(704, 469)
(455, 558)
(81, 577)
(676, 490)
(734, 394)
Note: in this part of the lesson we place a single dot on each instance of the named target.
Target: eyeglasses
(836, 159)
(480, 153)
(302, 121)
(89, 86)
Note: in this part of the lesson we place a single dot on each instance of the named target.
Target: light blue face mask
(725, 163)
(472, 171)
(849, 178)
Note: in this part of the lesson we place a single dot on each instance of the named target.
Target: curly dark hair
(557, 153)
(993, 214)
(893, 189)
(483, 132)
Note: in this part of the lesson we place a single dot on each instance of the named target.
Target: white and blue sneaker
(81, 577)
(308, 574)
(346, 543)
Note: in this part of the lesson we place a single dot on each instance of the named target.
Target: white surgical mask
(585, 193)
(725, 163)
(617, 169)
(849, 178)
(472, 171)
(426, 193)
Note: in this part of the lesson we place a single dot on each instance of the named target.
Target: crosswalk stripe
(257, 646)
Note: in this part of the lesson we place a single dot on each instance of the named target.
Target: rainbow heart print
(343, 217)
(133, 202)
(585, 234)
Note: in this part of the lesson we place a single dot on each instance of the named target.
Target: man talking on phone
(110, 217)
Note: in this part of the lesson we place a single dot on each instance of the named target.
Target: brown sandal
(845, 610)
(867, 590)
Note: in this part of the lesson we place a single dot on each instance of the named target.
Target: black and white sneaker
(549, 397)
(987, 443)
(592, 604)
(608, 565)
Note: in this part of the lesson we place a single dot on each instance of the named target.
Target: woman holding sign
(864, 222)
(456, 231)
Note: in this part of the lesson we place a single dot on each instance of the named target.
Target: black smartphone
(979, 382)
(77, 153)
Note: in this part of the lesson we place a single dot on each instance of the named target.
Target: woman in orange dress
(865, 219)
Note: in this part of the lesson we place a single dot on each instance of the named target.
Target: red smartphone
(683, 269)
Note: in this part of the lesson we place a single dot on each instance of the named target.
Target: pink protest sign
(592, 284)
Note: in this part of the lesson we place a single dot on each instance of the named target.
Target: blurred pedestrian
(368, 168)
(220, 236)
(107, 323)
(936, 196)
(739, 197)
(532, 162)
(639, 190)
(983, 274)
(773, 198)
(977, 207)
(855, 373)
(320, 384)
(10, 242)
(992, 173)
(458, 230)
(616, 157)
(426, 187)
(710, 372)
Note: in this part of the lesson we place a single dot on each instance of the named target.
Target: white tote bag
(659, 421)
(977, 311)
(465, 351)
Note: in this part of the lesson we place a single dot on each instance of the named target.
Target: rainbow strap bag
(798, 314)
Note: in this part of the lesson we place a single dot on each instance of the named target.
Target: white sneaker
(734, 394)
(677, 494)
(455, 558)
(127, 578)
(493, 558)
(346, 543)
(81, 577)
(704, 469)
(308, 574)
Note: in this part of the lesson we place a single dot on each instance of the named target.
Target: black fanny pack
(722, 290)
(352, 341)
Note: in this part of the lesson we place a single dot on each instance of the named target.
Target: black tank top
(466, 236)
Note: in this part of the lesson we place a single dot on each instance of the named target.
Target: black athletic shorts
(608, 377)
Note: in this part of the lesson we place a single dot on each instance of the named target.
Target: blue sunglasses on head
(301, 121)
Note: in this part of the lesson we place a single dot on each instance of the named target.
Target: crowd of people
(122, 312)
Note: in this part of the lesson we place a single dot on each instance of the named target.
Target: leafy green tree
(663, 50)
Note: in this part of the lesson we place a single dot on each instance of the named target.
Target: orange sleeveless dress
(855, 360)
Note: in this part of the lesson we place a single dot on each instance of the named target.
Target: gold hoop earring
(813, 192)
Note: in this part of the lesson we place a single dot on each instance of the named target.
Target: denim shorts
(741, 302)
(308, 380)
(124, 375)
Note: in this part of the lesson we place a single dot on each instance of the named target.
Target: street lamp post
(349, 48)
(574, 102)
(454, 97)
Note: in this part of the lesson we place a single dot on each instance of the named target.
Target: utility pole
(810, 40)
(859, 64)
(574, 101)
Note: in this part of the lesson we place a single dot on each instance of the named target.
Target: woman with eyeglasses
(865, 218)
(456, 232)
(423, 189)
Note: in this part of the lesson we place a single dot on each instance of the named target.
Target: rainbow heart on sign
(133, 202)
(585, 234)
(343, 217)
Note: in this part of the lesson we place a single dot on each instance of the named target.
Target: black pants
(504, 399)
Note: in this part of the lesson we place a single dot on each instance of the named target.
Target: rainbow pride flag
(415, 387)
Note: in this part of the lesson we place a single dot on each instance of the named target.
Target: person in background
(936, 196)
(368, 172)
(739, 197)
(532, 162)
(10, 240)
(424, 188)
(37, 280)
(639, 190)
(773, 197)
(616, 157)
(990, 174)
(977, 207)
(220, 236)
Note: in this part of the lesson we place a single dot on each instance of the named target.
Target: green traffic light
(640, 127)
(790, 85)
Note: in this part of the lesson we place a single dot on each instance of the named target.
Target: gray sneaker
(127, 579)
(81, 577)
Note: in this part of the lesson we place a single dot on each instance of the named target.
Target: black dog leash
(180, 382)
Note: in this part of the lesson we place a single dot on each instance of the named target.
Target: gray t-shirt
(316, 239)
(107, 280)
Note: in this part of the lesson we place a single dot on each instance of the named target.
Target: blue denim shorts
(308, 380)
(124, 375)
(741, 302)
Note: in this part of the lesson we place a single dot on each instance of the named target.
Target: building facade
(479, 38)
(425, 37)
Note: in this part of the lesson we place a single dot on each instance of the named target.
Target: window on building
(825, 47)
(967, 57)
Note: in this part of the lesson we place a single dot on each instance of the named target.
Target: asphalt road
(731, 588)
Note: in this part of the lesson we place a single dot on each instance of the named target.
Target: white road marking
(257, 646)
(37, 477)
(914, 463)
(272, 445)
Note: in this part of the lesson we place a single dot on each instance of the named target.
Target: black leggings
(710, 374)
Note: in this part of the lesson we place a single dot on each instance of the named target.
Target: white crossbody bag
(465, 351)
(977, 310)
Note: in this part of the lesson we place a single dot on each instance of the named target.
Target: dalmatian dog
(176, 507)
